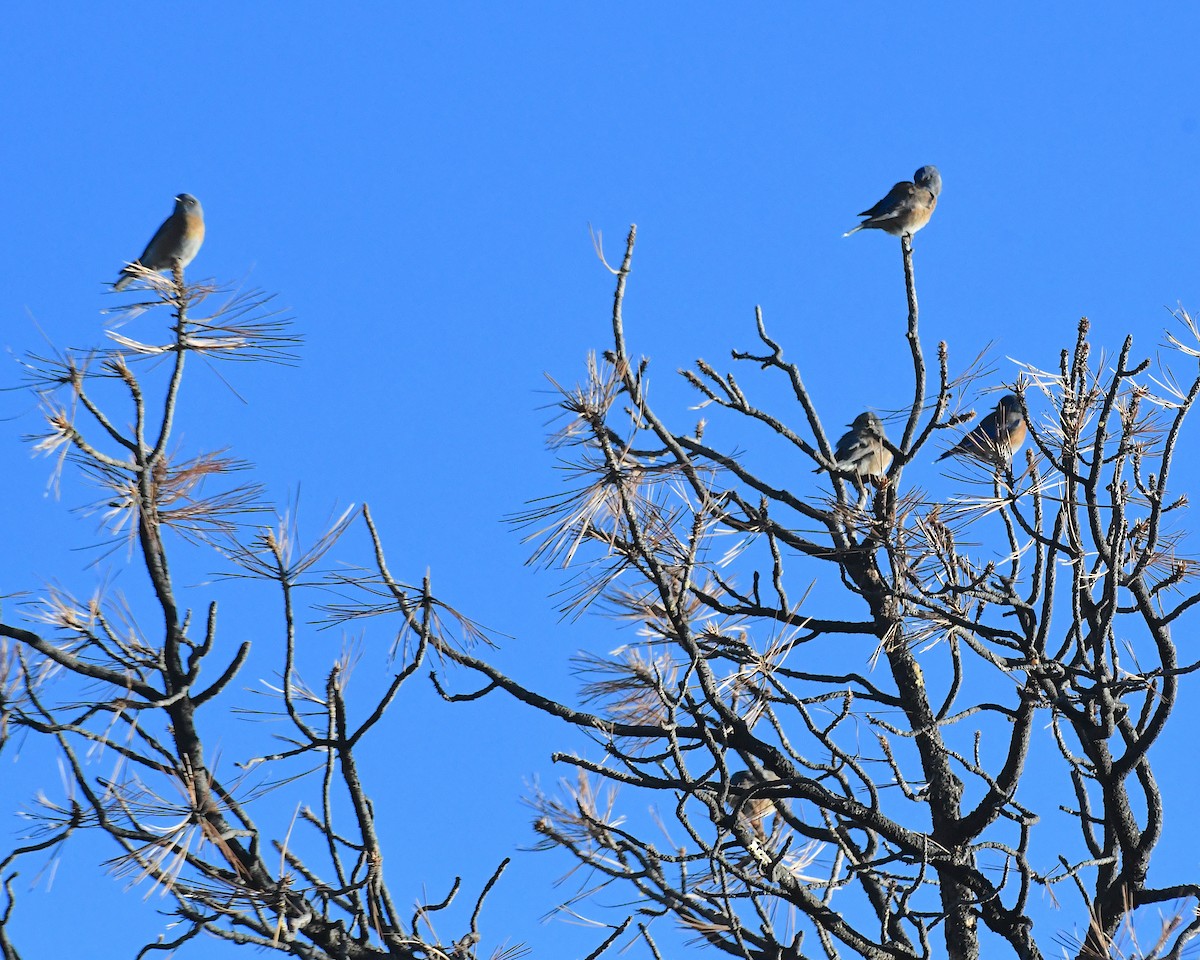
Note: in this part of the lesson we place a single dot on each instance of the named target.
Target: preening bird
(177, 240)
(907, 206)
(861, 450)
(997, 437)
(754, 808)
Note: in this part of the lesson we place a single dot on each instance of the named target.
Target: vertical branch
(914, 345)
(180, 300)
(7, 950)
(618, 321)
(149, 525)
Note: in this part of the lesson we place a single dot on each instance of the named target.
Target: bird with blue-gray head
(177, 240)
(907, 206)
(754, 807)
(997, 437)
(862, 450)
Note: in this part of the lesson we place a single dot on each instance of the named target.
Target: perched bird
(907, 206)
(178, 239)
(861, 450)
(754, 809)
(997, 437)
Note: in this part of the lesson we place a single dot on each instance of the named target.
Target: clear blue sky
(415, 182)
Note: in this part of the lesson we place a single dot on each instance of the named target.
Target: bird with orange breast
(997, 437)
(862, 450)
(176, 241)
(754, 808)
(907, 206)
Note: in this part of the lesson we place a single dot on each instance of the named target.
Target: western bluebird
(861, 450)
(907, 207)
(998, 436)
(754, 809)
(178, 239)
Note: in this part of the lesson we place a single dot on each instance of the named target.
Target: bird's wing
(989, 428)
(980, 440)
(851, 449)
(166, 236)
(890, 206)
